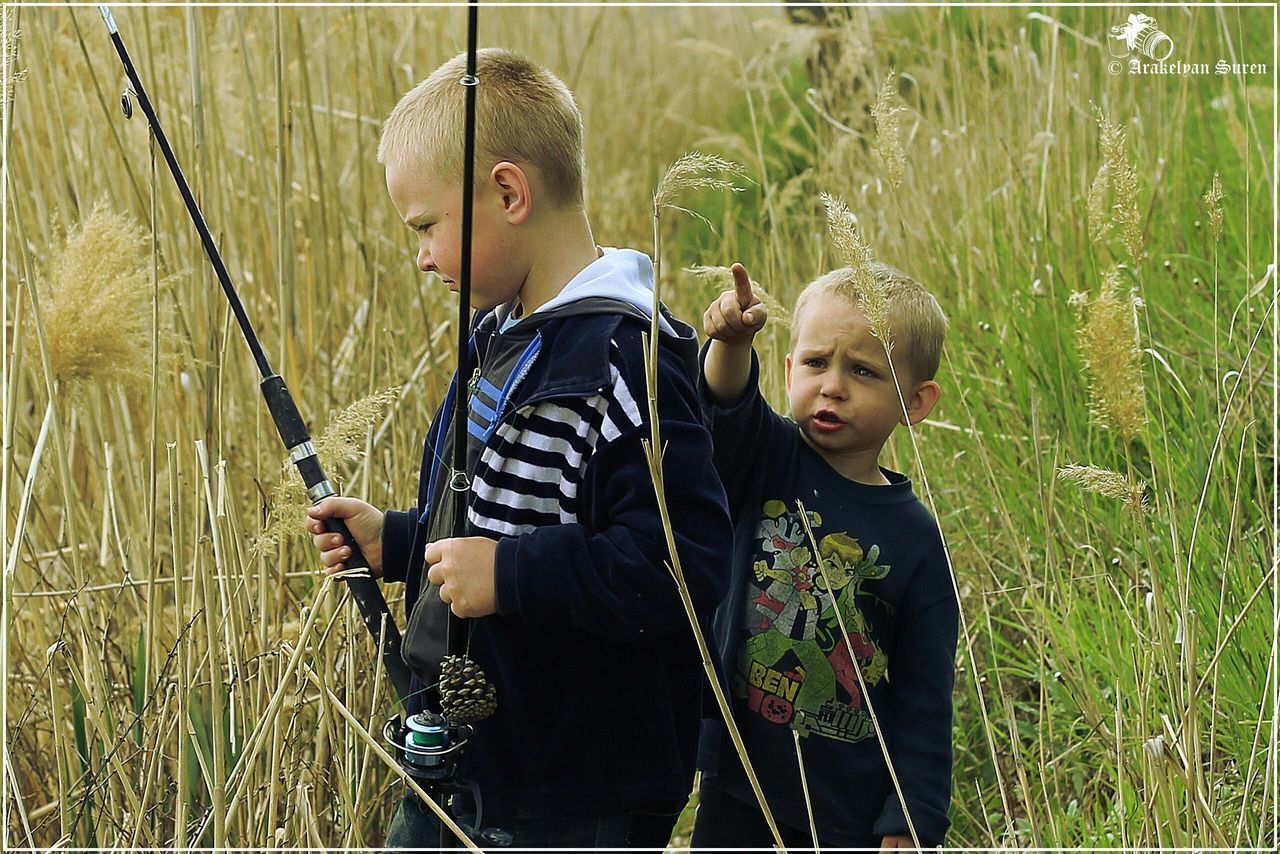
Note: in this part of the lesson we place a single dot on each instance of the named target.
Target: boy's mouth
(827, 421)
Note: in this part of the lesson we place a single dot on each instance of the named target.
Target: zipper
(521, 373)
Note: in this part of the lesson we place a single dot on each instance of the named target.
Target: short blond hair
(916, 319)
(524, 114)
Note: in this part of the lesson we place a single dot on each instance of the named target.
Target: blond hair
(915, 318)
(524, 114)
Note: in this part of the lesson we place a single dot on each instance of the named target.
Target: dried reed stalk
(340, 443)
(873, 298)
(95, 301)
(804, 787)
(684, 174)
(381, 753)
(28, 488)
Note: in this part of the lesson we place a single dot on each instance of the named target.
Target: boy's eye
(815, 363)
(863, 371)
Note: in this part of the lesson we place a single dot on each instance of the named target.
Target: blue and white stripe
(530, 471)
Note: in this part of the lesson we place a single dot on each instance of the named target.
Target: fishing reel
(427, 747)
(428, 744)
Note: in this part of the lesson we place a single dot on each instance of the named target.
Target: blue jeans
(416, 827)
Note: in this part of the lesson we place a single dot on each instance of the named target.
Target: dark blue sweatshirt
(786, 662)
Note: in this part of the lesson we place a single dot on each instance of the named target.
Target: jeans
(416, 827)
(723, 821)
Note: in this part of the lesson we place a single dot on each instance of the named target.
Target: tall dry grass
(1118, 688)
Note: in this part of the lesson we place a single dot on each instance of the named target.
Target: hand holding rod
(288, 420)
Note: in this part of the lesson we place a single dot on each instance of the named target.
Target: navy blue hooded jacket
(598, 680)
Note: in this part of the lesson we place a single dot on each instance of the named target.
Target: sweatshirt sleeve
(397, 539)
(607, 572)
(741, 434)
(922, 674)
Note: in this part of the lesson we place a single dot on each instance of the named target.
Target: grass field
(1117, 670)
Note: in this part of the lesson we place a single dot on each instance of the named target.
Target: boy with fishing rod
(572, 614)
(838, 636)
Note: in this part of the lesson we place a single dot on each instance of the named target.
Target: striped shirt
(530, 469)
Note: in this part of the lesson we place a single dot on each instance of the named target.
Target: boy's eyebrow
(874, 357)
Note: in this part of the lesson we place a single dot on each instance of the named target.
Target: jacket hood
(619, 275)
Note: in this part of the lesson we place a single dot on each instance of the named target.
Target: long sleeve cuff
(506, 589)
(397, 538)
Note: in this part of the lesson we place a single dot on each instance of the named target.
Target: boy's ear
(788, 374)
(512, 186)
(921, 402)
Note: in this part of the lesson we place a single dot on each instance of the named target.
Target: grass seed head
(1213, 202)
(1123, 176)
(696, 171)
(339, 444)
(872, 295)
(13, 75)
(1099, 222)
(96, 303)
(1107, 338)
(1132, 493)
(887, 113)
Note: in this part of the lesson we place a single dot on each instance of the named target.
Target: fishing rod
(284, 412)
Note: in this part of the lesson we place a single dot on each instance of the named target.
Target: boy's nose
(425, 264)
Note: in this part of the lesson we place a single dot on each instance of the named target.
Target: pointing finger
(742, 286)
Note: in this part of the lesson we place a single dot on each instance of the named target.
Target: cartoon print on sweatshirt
(795, 668)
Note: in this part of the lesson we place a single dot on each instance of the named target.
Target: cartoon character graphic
(783, 599)
(796, 666)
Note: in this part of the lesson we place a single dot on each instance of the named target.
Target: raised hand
(735, 316)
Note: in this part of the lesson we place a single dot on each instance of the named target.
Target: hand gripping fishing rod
(293, 431)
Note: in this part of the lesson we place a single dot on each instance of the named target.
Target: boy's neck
(862, 466)
(560, 249)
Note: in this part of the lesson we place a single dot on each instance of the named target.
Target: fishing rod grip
(368, 597)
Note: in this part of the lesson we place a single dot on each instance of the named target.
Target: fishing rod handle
(293, 432)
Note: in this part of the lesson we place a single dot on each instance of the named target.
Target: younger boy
(576, 620)
(879, 560)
